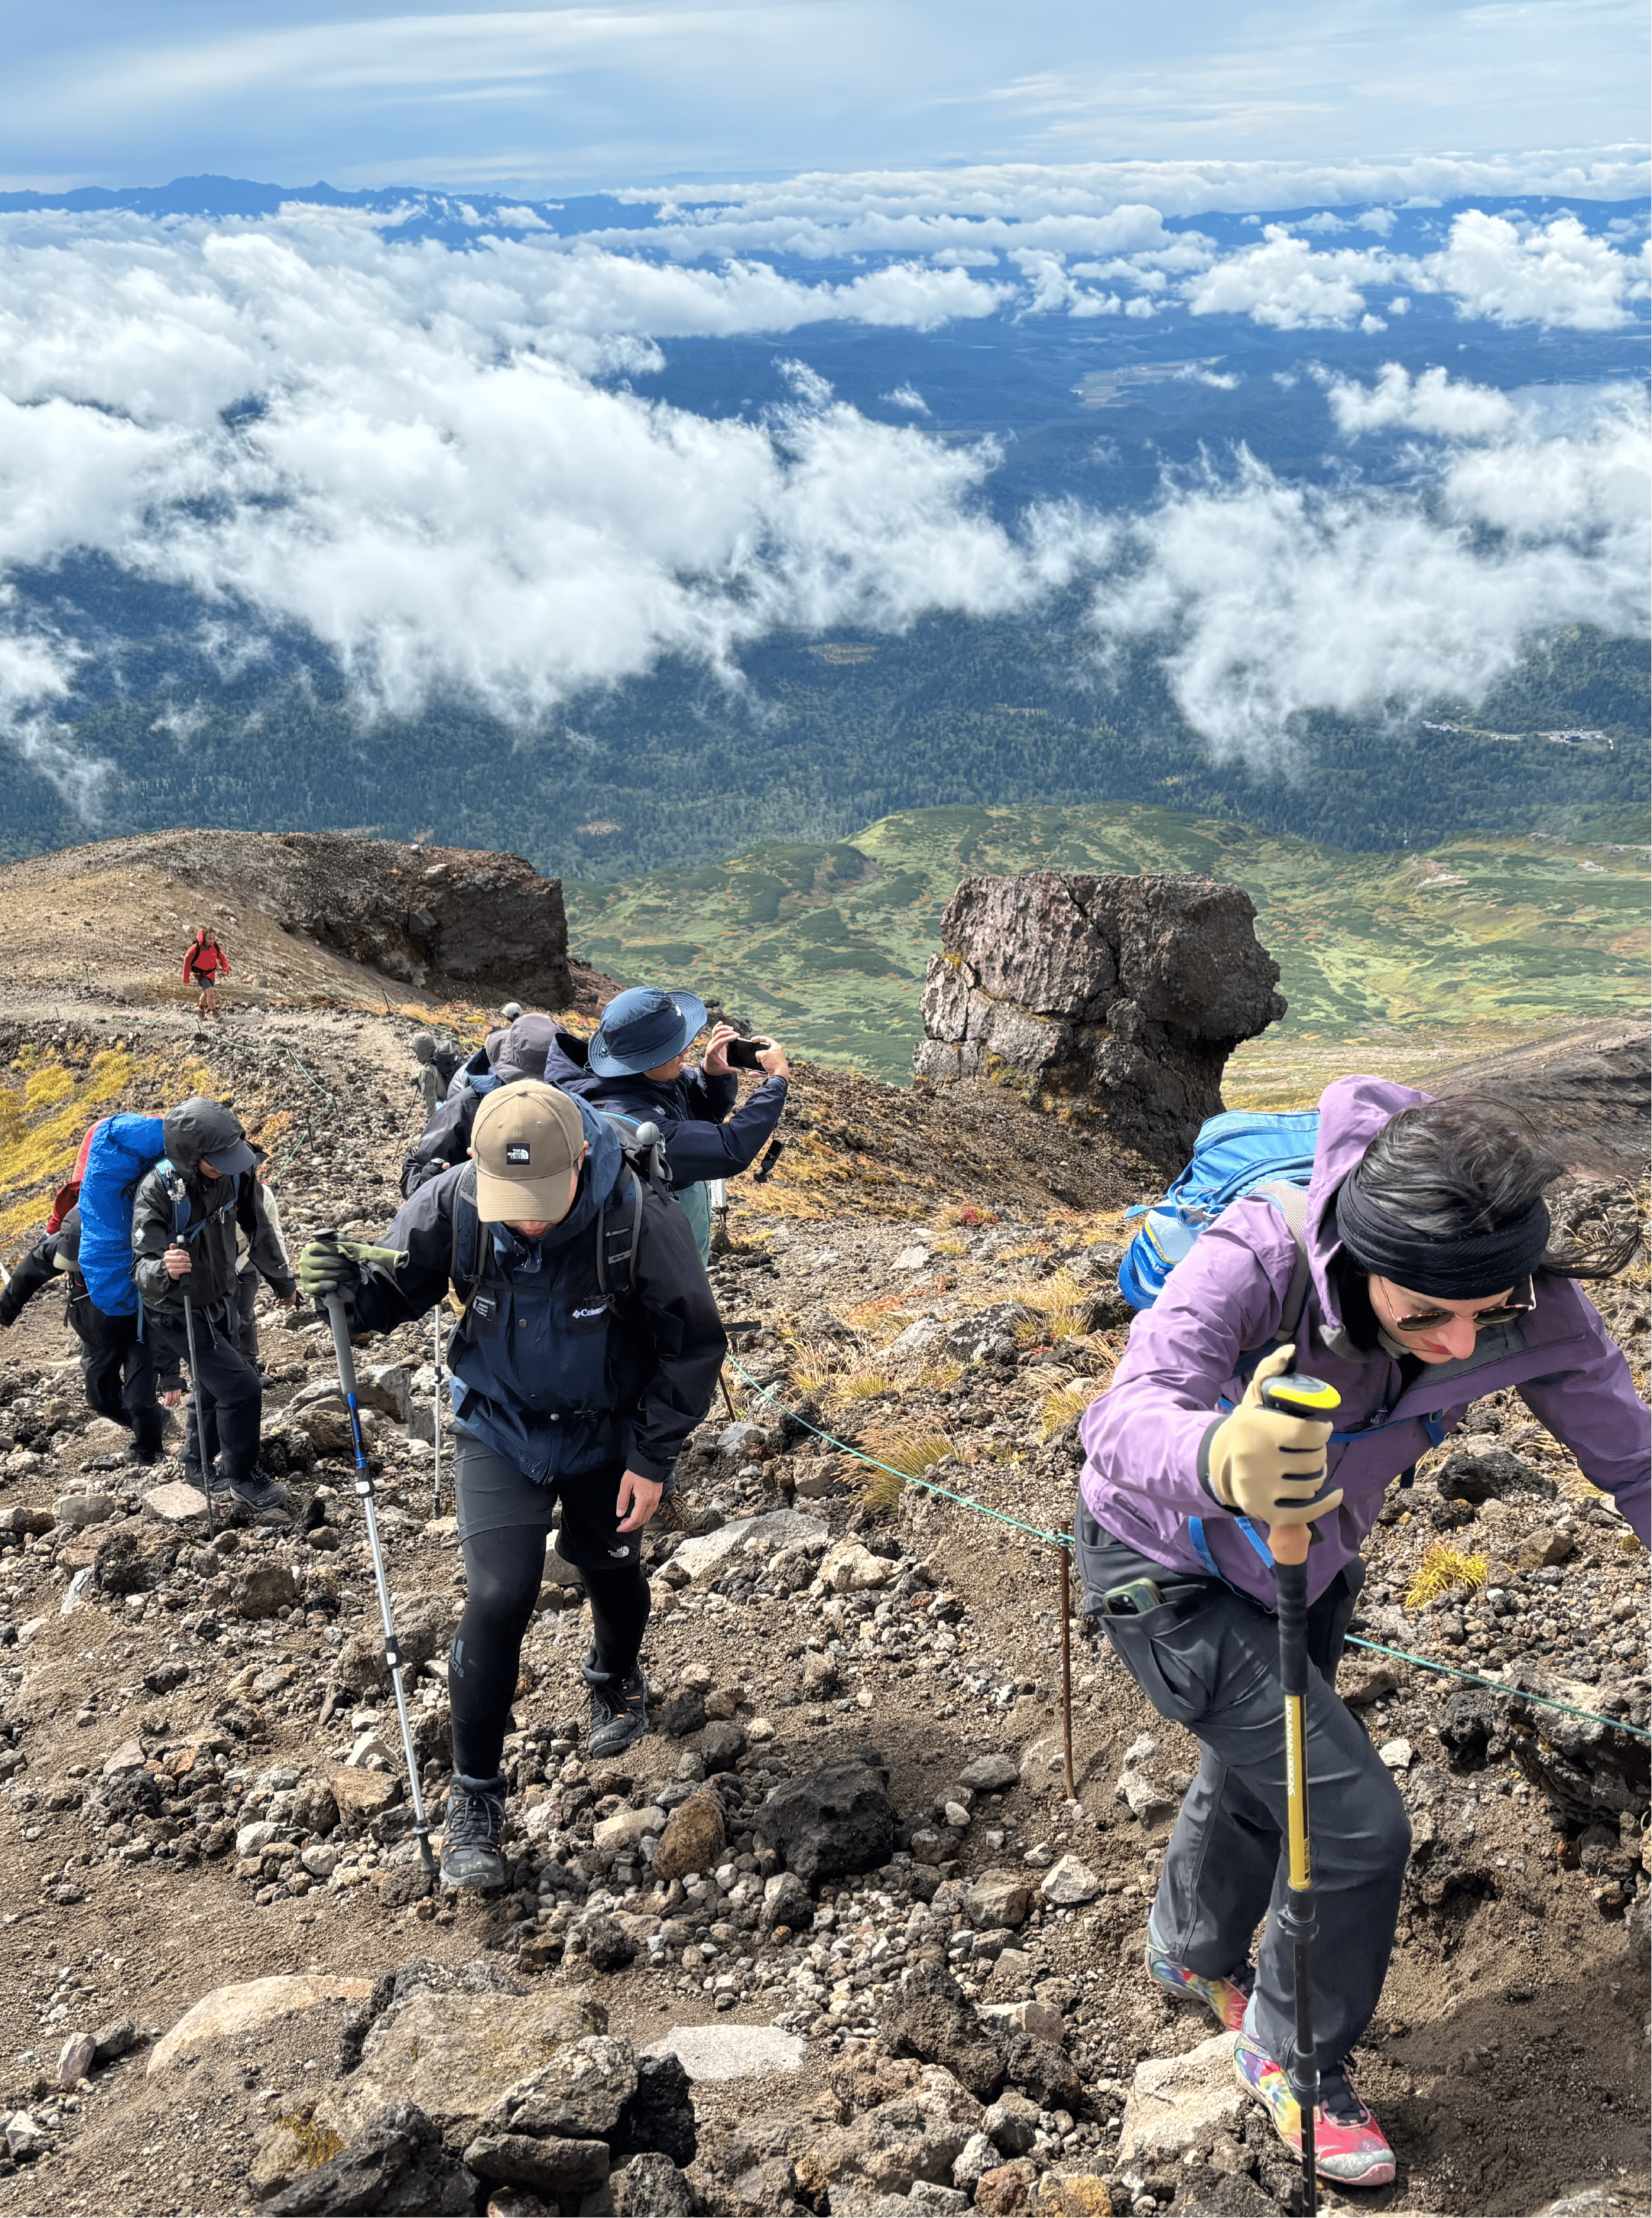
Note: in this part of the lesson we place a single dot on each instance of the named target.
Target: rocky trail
(832, 1936)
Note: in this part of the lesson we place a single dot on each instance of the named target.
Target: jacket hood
(1353, 1112)
(568, 1061)
(199, 1127)
(601, 1174)
(524, 1050)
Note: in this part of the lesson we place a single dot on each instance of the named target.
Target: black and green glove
(325, 1270)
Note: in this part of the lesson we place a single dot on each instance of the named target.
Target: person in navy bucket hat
(643, 1028)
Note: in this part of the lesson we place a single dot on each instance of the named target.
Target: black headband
(1449, 1270)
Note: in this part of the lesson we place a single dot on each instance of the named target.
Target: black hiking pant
(225, 1395)
(505, 1519)
(119, 1370)
(1208, 1659)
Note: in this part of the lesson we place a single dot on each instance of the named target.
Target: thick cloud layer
(1279, 599)
(422, 459)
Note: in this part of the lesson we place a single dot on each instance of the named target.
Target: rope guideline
(1065, 1540)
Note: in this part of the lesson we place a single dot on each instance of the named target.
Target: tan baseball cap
(526, 1140)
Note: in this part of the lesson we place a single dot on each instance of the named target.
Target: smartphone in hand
(742, 1054)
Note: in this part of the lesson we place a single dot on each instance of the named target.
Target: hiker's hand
(177, 1263)
(715, 1063)
(772, 1059)
(638, 1499)
(172, 1396)
(324, 1271)
(1266, 1465)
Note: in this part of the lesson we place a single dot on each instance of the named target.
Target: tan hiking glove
(1263, 1465)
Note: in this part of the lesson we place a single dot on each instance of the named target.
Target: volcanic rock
(1115, 1001)
(838, 1818)
(396, 2162)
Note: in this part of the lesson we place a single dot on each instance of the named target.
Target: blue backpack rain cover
(123, 1148)
(1235, 1154)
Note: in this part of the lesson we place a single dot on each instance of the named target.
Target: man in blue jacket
(587, 1350)
(635, 1067)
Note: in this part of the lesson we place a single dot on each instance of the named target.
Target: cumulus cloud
(1275, 600)
(423, 461)
(1554, 273)
(400, 449)
(1435, 402)
(1558, 274)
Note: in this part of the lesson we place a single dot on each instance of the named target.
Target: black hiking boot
(255, 1489)
(470, 1845)
(619, 1709)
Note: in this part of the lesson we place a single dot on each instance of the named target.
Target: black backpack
(618, 1230)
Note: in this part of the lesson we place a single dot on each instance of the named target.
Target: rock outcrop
(435, 916)
(1110, 1001)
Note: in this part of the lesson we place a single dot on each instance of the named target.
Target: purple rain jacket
(1144, 1438)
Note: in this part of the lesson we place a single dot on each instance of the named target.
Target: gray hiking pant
(1210, 1660)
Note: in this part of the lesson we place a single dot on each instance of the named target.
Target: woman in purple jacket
(1431, 1283)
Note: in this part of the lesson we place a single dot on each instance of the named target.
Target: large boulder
(1112, 1001)
(837, 1818)
(454, 2053)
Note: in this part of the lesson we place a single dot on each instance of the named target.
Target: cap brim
(533, 1201)
(232, 1160)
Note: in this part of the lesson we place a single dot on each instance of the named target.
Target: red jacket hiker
(206, 959)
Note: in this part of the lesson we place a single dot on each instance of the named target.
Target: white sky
(630, 91)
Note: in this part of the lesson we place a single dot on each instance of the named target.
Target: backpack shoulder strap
(617, 1242)
(1292, 1202)
(468, 1259)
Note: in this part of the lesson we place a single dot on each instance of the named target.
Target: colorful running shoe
(1348, 2143)
(1224, 1998)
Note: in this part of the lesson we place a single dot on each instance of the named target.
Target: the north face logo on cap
(517, 1151)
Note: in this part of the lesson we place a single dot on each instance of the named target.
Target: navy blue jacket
(546, 1373)
(702, 1141)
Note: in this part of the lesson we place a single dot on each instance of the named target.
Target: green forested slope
(828, 943)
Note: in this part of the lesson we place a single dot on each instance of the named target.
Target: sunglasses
(1500, 1313)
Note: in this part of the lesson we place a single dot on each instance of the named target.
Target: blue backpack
(1241, 1152)
(123, 1149)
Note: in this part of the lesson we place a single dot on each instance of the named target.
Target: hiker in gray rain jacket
(184, 1220)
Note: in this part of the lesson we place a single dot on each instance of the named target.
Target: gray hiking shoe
(619, 1710)
(470, 1844)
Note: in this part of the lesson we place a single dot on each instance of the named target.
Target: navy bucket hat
(643, 1028)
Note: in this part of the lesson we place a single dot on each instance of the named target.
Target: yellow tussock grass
(1441, 1571)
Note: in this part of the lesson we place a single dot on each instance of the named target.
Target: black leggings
(503, 1571)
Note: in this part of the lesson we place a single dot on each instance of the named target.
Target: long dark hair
(1469, 1163)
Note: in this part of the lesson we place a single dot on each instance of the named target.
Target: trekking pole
(436, 1415)
(1297, 1396)
(201, 1422)
(1066, 1555)
(340, 1322)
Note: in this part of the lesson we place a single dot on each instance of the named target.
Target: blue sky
(632, 91)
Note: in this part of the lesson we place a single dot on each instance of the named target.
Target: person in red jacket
(204, 962)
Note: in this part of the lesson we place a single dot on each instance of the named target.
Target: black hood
(199, 1127)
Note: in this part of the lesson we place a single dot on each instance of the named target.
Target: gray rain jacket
(174, 1201)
